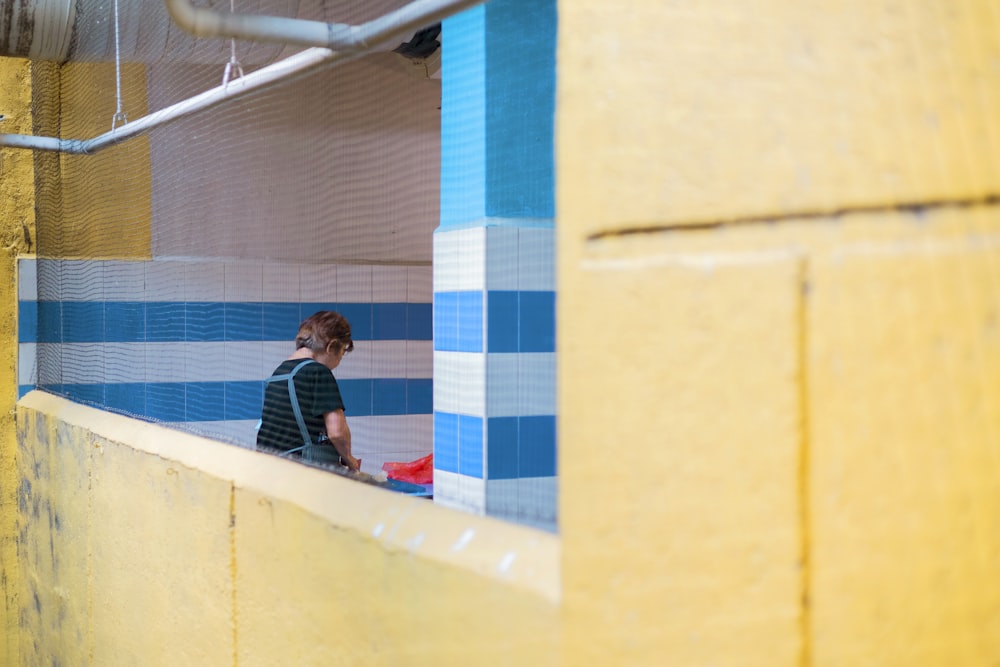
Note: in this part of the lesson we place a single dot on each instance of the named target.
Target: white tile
(501, 497)
(501, 258)
(406, 435)
(472, 494)
(459, 260)
(27, 280)
(419, 284)
(536, 383)
(471, 259)
(83, 363)
(419, 359)
(82, 280)
(502, 385)
(397, 433)
(273, 353)
(244, 361)
(357, 365)
(446, 488)
(164, 280)
(280, 283)
(459, 383)
(364, 437)
(390, 361)
(536, 259)
(248, 360)
(205, 281)
(165, 362)
(354, 283)
(27, 363)
(537, 498)
(244, 282)
(49, 275)
(389, 284)
(189, 362)
(124, 281)
(125, 362)
(318, 283)
(445, 268)
(195, 362)
(418, 437)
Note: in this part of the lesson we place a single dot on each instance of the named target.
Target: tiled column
(494, 291)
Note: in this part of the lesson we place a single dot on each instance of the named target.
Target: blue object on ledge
(420, 490)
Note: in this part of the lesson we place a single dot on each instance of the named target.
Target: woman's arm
(340, 437)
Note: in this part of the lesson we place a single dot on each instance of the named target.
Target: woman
(303, 412)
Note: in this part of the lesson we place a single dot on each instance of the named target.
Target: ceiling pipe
(205, 22)
(400, 22)
(279, 72)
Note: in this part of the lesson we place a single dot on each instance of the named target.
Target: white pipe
(279, 72)
(373, 32)
(35, 143)
(205, 22)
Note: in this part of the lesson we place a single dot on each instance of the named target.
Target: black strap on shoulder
(289, 378)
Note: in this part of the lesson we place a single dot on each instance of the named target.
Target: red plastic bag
(420, 471)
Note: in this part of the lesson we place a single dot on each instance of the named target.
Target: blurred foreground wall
(17, 232)
(779, 278)
(779, 372)
(148, 546)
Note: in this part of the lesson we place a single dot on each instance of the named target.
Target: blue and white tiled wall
(189, 342)
(495, 369)
(494, 259)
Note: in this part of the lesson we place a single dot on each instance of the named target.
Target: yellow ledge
(515, 555)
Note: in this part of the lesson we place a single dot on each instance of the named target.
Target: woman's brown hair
(318, 331)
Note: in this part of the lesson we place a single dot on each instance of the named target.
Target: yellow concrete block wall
(780, 444)
(683, 489)
(17, 196)
(904, 385)
(144, 545)
(705, 112)
(17, 231)
(9, 568)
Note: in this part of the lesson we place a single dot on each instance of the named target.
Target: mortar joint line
(917, 207)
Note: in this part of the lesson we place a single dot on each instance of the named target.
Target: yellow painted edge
(517, 555)
(9, 453)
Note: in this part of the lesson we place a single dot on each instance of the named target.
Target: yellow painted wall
(17, 212)
(9, 568)
(144, 545)
(17, 231)
(780, 444)
(116, 178)
(779, 291)
(733, 110)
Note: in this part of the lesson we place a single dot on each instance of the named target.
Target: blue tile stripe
(514, 447)
(27, 321)
(458, 444)
(463, 118)
(227, 401)
(203, 322)
(516, 321)
(521, 447)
